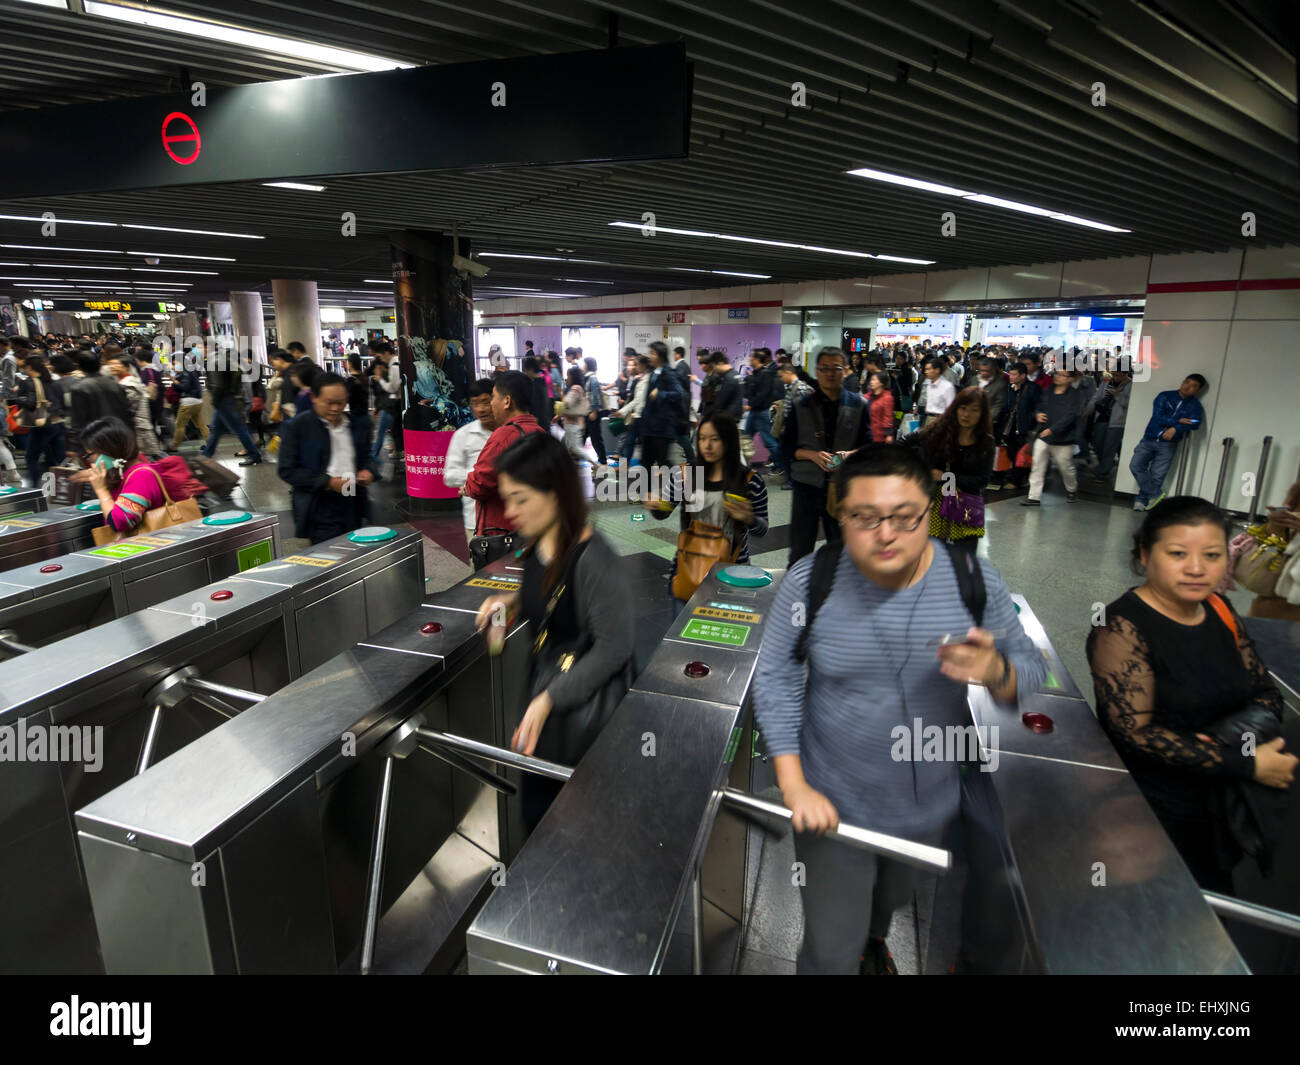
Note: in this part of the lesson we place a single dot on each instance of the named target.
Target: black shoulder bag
(484, 548)
(568, 734)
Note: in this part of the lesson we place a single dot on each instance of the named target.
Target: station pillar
(297, 315)
(248, 324)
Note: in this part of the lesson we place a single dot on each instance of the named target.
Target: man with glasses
(832, 731)
(821, 430)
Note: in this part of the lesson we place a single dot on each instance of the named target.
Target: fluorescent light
(912, 183)
(293, 185)
(1010, 205)
(727, 273)
(160, 270)
(196, 232)
(50, 3)
(974, 197)
(904, 259)
(748, 240)
(582, 281)
(542, 258)
(375, 281)
(56, 219)
(47, 247)
(215, 31)
(173, 255)
(45, 285)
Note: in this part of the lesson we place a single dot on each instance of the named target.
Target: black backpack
(970, 583)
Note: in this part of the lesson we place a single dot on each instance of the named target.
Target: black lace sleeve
(1124, 687)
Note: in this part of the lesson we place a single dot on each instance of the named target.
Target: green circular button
(90, 505)
(745, 576)
(372, 534)
(227, 517)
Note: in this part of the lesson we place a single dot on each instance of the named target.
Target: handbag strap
(543, 630)
(1217, 604)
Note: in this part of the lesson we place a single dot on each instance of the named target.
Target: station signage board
(528, 110)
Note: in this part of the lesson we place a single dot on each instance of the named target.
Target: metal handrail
(1254, 913)
(1259, 480)
(1223, 469)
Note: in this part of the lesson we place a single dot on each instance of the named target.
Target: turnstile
(42, 602)
(86, 713)
(249, 849)
(20, 502)
(602, 882)
(47, 534)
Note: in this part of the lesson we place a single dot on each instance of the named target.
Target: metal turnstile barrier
(46, 534)
(317, 807)
(137, 689)
(16, 502)
(43, 602)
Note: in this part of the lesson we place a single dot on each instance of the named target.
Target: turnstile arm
(1253, 913)
(9, 641)
(932, 859)
(198, 684)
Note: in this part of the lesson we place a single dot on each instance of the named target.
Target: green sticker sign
(254, 555)
(719, 632)
(125, 549)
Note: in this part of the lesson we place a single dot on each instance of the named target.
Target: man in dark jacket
(325, 459)
(763, 390)
(725, 393)
(225, 386)
(94, 396)
(681, 366)
(1018, 422)
(662, 413)
(821, 430)
(1060, 423)
(543, 408)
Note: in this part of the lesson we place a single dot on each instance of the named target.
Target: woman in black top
(41, 398)
(959, 443)
(1166, 669)
(574, 596)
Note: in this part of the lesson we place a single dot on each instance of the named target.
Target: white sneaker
(1139, 505)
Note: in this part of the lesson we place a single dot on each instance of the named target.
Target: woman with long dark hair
(40, 396)
(574, 597)
(718, 489)
(959, 449)
(1179, 688)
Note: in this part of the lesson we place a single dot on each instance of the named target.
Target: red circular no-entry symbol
(179, 128)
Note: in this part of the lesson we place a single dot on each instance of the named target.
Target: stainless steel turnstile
(46, 534)
(20, 502)
(250, 849)
(139, 688)
(638, 830)
(45, 601)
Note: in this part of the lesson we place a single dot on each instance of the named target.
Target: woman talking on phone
(127, 484)
(574, 596)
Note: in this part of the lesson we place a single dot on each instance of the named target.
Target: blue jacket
(661, 414)
(305, 456)
(1169, 407)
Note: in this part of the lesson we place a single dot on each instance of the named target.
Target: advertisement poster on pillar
(426, 461)
(737, 339)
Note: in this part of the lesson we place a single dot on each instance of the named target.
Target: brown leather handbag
(698, 548)
(170, 513)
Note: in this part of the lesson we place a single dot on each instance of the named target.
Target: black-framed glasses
(865, 521)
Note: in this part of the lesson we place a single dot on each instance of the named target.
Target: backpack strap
(1215, 602)
(970, 581)
(819, 589)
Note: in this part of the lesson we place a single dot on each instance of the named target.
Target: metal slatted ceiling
(995, 97)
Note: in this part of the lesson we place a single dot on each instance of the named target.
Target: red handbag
(1025, 457)
(16, 428)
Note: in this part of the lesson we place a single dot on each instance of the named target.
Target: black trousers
(654, 451)
(536, 795)
(334, 514)
(591, 431)
(808, 509)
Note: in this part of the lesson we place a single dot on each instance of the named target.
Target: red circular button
(430, 627)
(1037, 722)
(51, 569)
(696, 669)
(222, 595)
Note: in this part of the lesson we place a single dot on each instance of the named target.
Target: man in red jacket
(512, 400)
